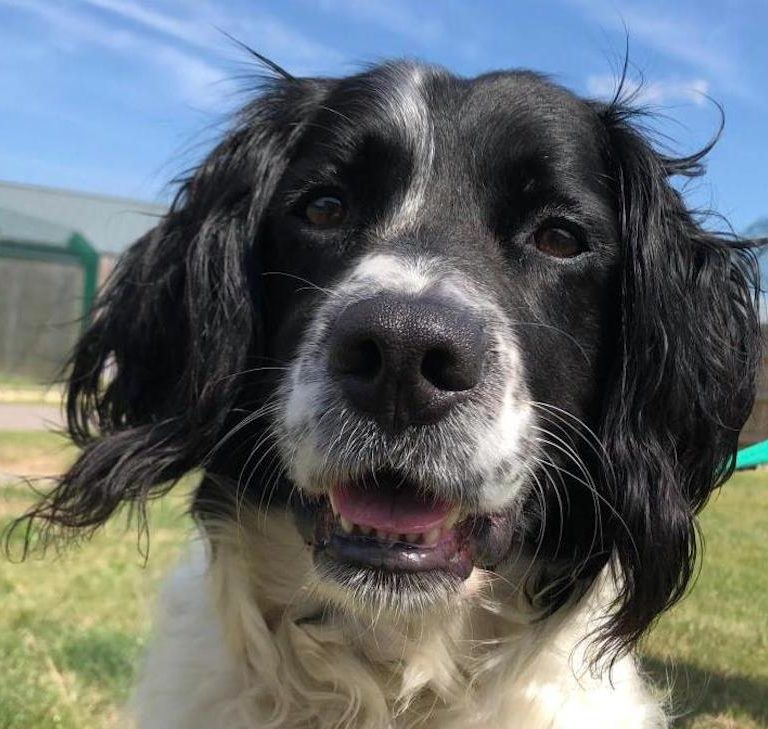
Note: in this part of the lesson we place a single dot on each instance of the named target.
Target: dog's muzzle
(403, 364)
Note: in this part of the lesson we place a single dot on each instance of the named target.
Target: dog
(459, 368)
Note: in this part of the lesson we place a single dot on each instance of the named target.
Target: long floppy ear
(151, 380)
(685, 375)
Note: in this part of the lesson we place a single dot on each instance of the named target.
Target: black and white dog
(459, 368)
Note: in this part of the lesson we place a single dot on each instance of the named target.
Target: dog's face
(440, 262)
(446, 322)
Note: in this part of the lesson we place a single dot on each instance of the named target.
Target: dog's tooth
(451, 519)
(412, 538)
(432, 536)
(334, 508)
(346, 525)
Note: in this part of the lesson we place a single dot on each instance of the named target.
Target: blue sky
(118, 96)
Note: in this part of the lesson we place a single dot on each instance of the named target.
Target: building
(56, 246)
(756, 428)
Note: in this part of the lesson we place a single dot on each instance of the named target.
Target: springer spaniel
(459, 368)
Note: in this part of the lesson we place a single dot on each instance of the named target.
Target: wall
(40, 310)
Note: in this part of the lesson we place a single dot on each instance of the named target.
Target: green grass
(34, 453)
(7, 378)
(21, 389)
(714, 644)
(72, 627)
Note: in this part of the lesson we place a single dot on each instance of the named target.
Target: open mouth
(387, 523)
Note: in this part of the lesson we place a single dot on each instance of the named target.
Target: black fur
(661, 344)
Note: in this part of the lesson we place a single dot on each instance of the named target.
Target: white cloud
(73, 28)
(198, 30)
(202, 26)
(654, 93)
(290, 49)
(191, 78)
(184, 42)
(394, 15)
(709, 49)
(197, 81)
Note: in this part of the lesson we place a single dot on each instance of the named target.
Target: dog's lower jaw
(244, 645)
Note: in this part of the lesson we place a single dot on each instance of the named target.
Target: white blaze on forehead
(414, 276)
(409, 110)
(388, 272)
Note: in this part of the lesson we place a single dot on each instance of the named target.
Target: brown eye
(558, 243)
(325, 211)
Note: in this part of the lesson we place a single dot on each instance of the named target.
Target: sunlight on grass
(34, 453)
(17, 389)
(714, 645)
(73, 626)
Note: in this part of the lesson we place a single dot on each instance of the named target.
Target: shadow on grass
(697, 692)
(104, 658)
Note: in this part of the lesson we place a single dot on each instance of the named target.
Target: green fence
(48, 280)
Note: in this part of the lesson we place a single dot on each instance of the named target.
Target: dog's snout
(406, 361)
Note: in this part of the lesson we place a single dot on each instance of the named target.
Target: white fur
(250, 639)
(406, 106)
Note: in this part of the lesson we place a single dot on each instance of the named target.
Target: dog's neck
(315, 662)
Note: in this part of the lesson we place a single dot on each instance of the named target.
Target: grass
(714, 645)
(34, 453)
(73, 626)
(13, 380)
(20, 389)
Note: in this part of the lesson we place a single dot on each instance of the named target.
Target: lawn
(72, 627)
(19, 389)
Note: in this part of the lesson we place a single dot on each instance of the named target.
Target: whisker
(310, 284)
(569, 337)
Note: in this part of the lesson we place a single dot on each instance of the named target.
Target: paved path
(25, 416)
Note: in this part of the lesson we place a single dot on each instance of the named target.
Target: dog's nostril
(442, 370)
(438, 368)
(361, 358)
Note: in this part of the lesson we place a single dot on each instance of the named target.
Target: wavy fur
(635, 365)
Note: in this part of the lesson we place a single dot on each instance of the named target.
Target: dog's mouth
(386, 523)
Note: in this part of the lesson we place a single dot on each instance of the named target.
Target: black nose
(406, 361)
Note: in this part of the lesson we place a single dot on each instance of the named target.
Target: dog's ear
(154, 377)
(683, 386)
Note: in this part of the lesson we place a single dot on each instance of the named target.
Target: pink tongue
(389, 511)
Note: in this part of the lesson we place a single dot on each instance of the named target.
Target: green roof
(20, 228)
(25, 237)
(111, 224)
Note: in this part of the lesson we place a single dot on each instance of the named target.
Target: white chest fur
(239, 645)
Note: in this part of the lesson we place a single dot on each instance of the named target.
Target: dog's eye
(325, 211)
(557, 242)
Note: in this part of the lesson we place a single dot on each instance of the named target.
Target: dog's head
(448, 323)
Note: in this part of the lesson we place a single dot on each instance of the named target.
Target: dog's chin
(383, 542)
